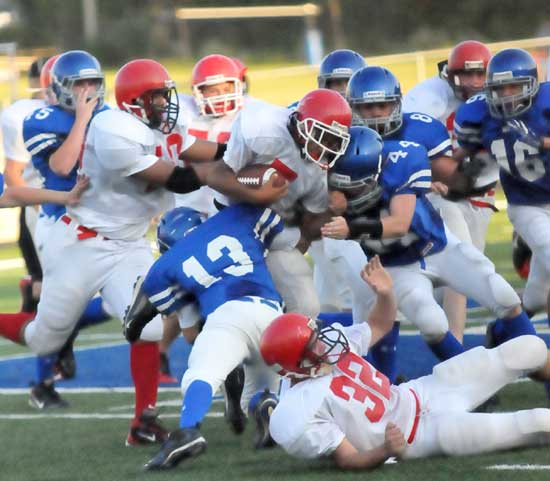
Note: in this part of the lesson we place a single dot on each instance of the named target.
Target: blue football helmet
(511, 66)
(175, 224)
(339, 64)
(376, 85)
(356, 173)
(68, 69)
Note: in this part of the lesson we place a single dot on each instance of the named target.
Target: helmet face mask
(362, 194)
(161, 108)
(385, 125)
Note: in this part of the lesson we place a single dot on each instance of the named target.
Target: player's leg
(414, 293)
(129, 261)
(293, 279)
(461, 434)
(27, 222)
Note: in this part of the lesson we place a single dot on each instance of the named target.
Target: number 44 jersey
(354, 401)
(221, 260)
(524, 171)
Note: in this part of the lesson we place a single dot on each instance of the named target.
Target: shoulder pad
(124, 125)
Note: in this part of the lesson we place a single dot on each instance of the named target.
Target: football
(256, 175)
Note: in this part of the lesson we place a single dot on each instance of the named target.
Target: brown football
(255, 175)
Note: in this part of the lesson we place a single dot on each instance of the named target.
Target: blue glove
(525, 134)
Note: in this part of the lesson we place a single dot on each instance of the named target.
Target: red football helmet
(242, 73)
(468, 56)
(295, 347)
(138, 85)
(212, 70)
(323, 118)
(45, 73)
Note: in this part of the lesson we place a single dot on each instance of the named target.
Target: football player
(220, 264)
(389, 214)
(301, 144)
(129, 184)
(337, 68)
(510, 121)
(341, 407)
(466, 211)
(18, 171)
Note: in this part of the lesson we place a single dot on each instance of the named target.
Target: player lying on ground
(340, 406)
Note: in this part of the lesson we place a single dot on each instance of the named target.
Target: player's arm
(383, 314)
(203, 151)
(396, 224)
(64, 159)
(222, 178)
(21, 196)
(348, 457)
(13, 172)
(180, 180)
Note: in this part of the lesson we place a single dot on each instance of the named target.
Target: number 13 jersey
(354, 401)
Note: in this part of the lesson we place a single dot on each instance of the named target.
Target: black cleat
(181, 444)
(65, 366)
(260, 411)
(44, 396)
(148, 431)
(234, 384)
(490, 340)
(138, 313)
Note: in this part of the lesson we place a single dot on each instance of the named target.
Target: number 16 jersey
(524, 171)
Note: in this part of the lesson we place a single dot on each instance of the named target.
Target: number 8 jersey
(524, 171)
(354, 401)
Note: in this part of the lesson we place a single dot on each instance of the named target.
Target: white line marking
(86, 390)
(84, 348)
(50, 415)
(519, 467)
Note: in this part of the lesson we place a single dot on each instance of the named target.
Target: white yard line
(58, 415)
(519, 467)
(87, 390)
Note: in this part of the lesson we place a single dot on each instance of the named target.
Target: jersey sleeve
(41, 138)
(123, 154)
(359, 336)
(468, 122)
(407, 169)
(12, 139)
(438, 142)
(319, 437)
(268, 226)
(238, 153)
(163, 289)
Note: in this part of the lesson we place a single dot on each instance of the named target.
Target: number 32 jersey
(354, 401)
(524, 171)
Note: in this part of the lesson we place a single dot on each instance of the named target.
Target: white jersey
(12, 136)
(215, 129)
(260, 136)
(435, 97)
(118, 145)
(354, 402)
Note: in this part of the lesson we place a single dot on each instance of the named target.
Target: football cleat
(65, 366)
(165, 376)
(148, 431)
(138, 313)
(234, 415)
(181, 444)
(260, 408)
(490, 340)
(44, 396)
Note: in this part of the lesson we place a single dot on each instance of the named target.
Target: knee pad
(422, 310)
(504, 296)
(524, 353)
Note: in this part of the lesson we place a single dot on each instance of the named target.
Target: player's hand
(377, 277)
(394, 441)
(525, 134)
(439, 188)
(271, 191)
(336, 229)
(337, 203)
(74, 195)
(84, 108)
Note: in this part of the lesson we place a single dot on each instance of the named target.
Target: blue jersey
(221, 260)
(524, 171)
(44, 131)
(426, 131)
(406, 170)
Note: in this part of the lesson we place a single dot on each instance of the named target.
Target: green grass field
(86, 441)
